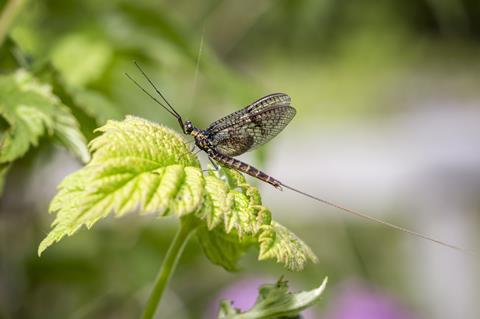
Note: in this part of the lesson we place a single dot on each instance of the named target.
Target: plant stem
(10, 10)
(187, 226)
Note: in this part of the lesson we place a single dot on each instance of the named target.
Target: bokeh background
(388, 122)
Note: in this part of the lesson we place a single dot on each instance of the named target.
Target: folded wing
(251, 126)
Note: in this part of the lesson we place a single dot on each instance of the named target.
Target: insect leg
(216, 168)
(189, 152)
(196, 151)
(213, 163)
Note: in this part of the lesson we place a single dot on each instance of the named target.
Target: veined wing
(252, 126)
(257, 106)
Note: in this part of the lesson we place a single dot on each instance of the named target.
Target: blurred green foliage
(337, 59)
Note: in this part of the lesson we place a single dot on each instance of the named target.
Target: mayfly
(245, 130)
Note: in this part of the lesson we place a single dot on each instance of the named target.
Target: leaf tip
(324, 284)
(43, 245)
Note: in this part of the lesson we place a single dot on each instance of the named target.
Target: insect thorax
(202, 139)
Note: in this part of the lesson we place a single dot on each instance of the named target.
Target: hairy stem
(187, 226)
(10, 10)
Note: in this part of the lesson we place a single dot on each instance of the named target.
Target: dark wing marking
(252, 129)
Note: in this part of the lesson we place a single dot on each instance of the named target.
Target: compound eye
(188, 127)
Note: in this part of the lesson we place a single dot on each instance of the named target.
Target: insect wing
(255, 107)
(252, 126)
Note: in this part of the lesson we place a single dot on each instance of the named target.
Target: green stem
(187, 226)
(11, 9)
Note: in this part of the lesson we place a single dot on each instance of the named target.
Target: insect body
(238, 132)
(247, 129)
(244, 130)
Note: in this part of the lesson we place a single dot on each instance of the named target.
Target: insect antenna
(379, 221)
(156, 89)
(176, 115)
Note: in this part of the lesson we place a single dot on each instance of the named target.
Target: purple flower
(359, 301)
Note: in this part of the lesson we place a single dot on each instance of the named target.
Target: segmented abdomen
(245, 168)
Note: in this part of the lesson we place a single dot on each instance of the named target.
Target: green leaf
(274, 301)
(234, 217)
(277, 242)
(221, 248)
(234, 203)
(141, 166)
(66, 130)
(31, 111)
(28, 125)
(136, 165)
